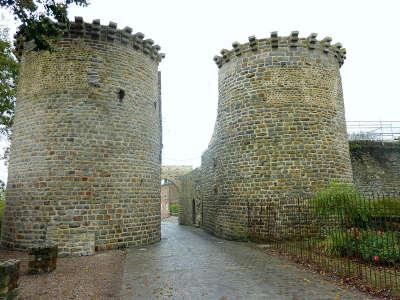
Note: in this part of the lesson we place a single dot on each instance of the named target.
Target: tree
(8, 80)
(37, 23)
(36, 17)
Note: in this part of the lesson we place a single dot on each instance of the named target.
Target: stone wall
(376, 166)
(85, 160)
(164, 202)
(190, 199)
(280, 133)
(174, 172)
(171, 189)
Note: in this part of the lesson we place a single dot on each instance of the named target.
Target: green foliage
(36, 17)
(339, 243)
(174, 208)
(386, 207)
(344, 203)
(368, 245)
(384, 246)
(8, 80)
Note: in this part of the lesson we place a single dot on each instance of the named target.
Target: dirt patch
(88, 277)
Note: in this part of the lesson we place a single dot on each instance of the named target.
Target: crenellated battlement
(275, 43)
(96, 31)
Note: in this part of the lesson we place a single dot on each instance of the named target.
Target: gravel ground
(88, 277)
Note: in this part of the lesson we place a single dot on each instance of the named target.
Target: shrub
(340, 243)
(381, 247)
(385, 207)
(174, 208)
(344, 203)
(370, 246)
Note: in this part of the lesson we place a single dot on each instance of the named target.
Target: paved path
(191, 264)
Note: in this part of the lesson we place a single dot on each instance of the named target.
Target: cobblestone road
(191, 264)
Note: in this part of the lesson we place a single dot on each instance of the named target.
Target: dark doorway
(193, 212)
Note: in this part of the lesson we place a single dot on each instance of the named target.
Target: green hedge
(174, 208)
(343, 202)
(363, 225)
(368, 245)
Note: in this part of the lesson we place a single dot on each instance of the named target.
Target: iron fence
(373, 130)
(355, 237)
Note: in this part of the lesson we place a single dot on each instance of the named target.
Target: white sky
(192, 32)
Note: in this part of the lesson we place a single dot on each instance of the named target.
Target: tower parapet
(97, 32)
(292, 44)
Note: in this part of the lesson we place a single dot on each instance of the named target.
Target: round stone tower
(84, 167)
(280, 133)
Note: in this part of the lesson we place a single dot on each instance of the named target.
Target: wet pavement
(191, 264)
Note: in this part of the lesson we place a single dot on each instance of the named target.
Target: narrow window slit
(121, 95)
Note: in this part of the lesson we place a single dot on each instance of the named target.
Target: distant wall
(165, 201)
(172, 173)
(190, 199)
(376, 166)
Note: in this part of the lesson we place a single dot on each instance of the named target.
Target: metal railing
(356, 237)
(373, 130)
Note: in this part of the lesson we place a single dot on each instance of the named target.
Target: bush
(344, 203)
(370, 246)
(380, 247)
(174, 208)
(339, 243)
(385, 207)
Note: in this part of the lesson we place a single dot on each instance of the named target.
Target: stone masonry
(280, 133)
(9, 276)
(85, 161)
(171, 188)
(376, 166)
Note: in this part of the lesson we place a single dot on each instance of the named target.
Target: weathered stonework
(165, 200)
(84, 168)
(173, 173)
(280, 133)
(190, 201)
(376, 166)
(170, 189)
(9, 276)
(44, 259)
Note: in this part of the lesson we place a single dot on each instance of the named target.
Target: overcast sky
(192, 32)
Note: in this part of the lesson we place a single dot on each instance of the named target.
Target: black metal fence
(353, 236)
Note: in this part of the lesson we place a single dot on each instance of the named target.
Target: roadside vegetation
(174, 209)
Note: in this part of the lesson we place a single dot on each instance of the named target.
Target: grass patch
(174, 209)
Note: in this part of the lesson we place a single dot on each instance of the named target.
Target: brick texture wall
(280, 133)
(84, 168)
(376, 166)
